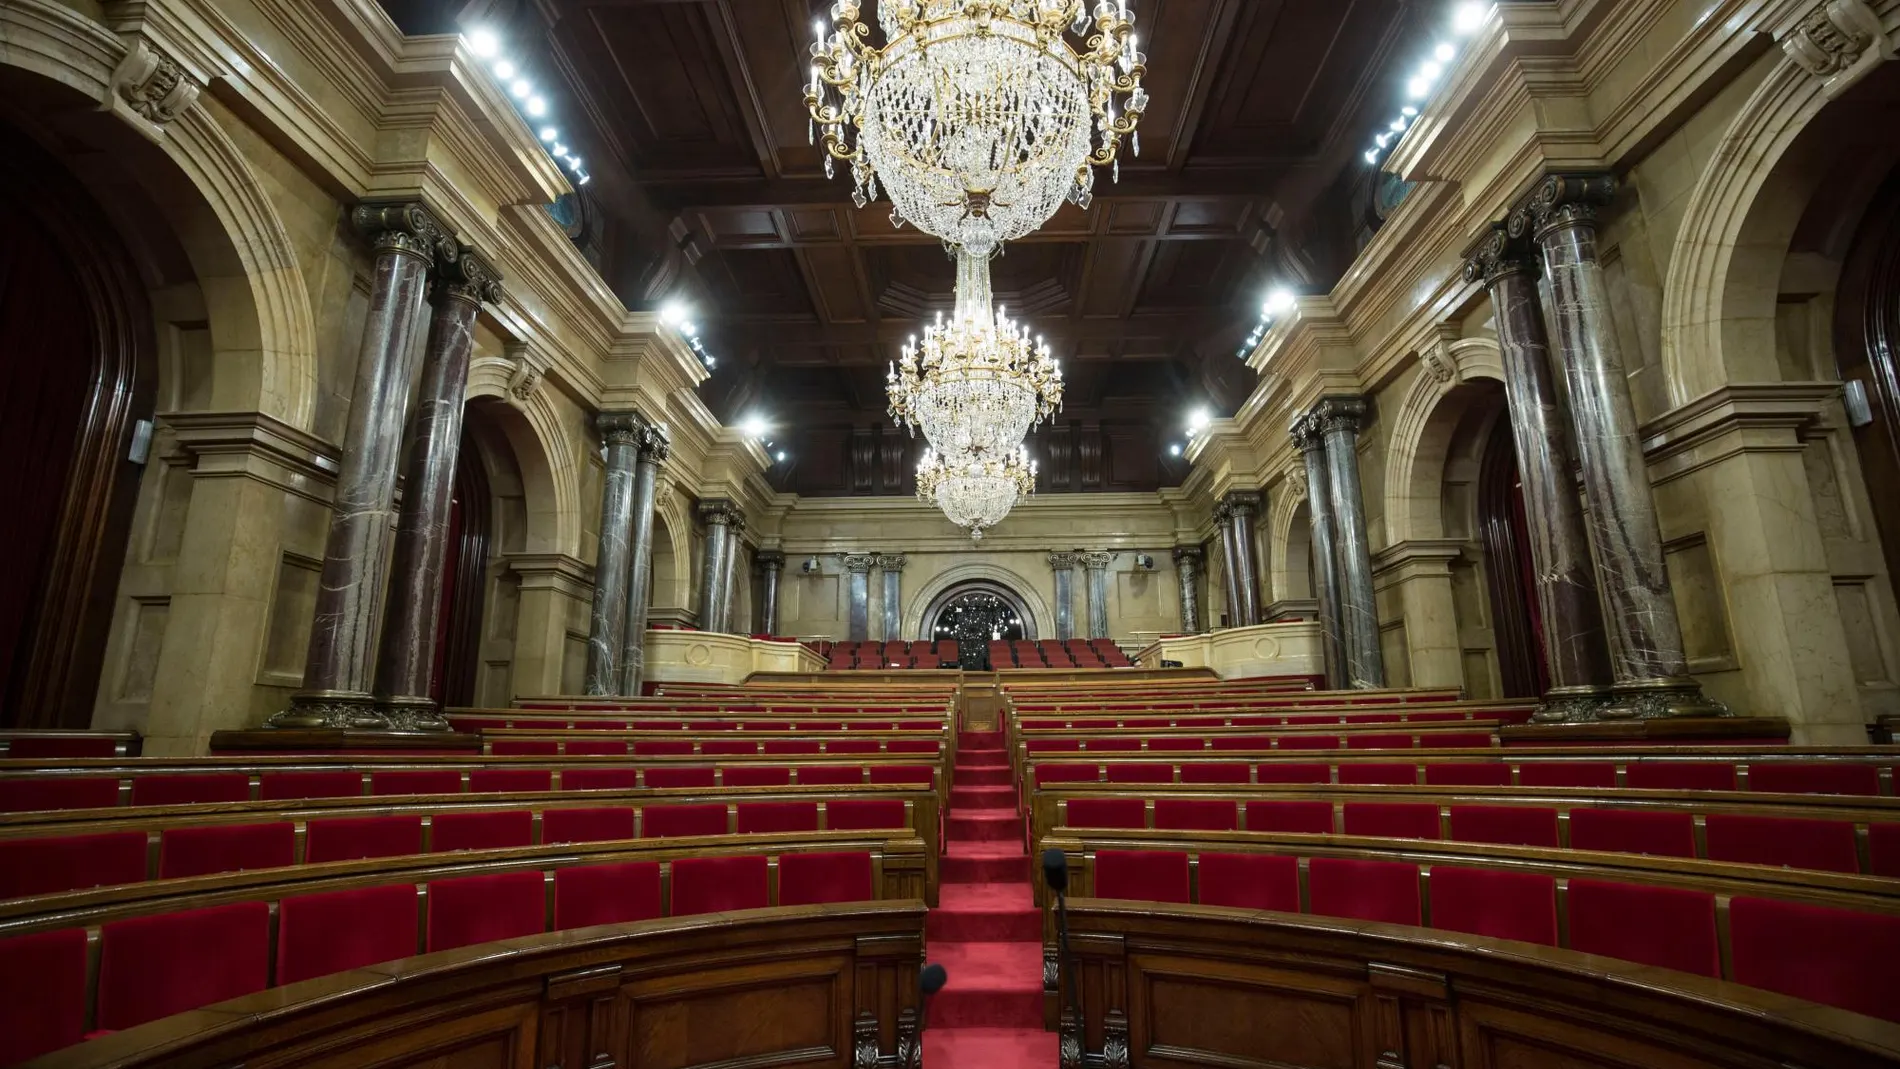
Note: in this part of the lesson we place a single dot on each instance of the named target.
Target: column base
(1657, 699)
(1573, 705)
(411, 713)
(333, 709)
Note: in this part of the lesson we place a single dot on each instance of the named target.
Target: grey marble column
(771, 564)
(620, 438)
(1241, 508)
(858, 567)
(1230, 564)
(734, 573)
(652, 450)
(1187, 569)
(412, 611)
(1339, 422)
(1325, 557)
(1645, 639)
(408, 241)
(1062, 563)
(1572, 618)
(1097, 565)
(717, 515)
(891, 565)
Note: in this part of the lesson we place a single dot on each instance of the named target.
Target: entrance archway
(975, 613)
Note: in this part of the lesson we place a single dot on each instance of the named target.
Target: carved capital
(1339, 415)
(1833, 37)
(617, 428)
(468, 277)
(525, 379)
(1307, 434)
(1097, 560)
(150, 87)
(656, 445)
(1241, 504)
(891, 562)
(1561, 201)
(1498, 254)
(719, 512)
(1051, 971)
(910, 1049)
(407, 228)
(1189, 557)
(859, 563)
(1063, 560)
(769, 560)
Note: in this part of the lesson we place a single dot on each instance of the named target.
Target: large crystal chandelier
(976, 493)
(978, 116)
(976, 384)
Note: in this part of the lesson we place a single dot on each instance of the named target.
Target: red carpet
(986, 930)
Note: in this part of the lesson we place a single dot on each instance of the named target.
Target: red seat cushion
(586, 895)
(853, 747)
(195, 788)
(811, 879)
(600, 725)
(1196, 814)
(354, 838)
(1308, 742)
(912, 746)
(1680, 775)
(1457, 740)
(1378, 773)
(1313, 818)
(1067, 773)
(1633, 831)
(1251, 881)
(1113, 745)
(1814, 777)
(42, 993)
(751, 817)
(525, 748)
(598, 748)
(1036, 746)
(865, 814)
(1360, 741)
(599, 779)
(1803, 844)
(1107, 813)
(70, 863)
(483, 909)
(209, 848)
(341, 930)
(1883, 841)
(587, 824)
(1176, 745)
(1506, 825)
(400, 781)
(498, 780)
(1500, 904)
(1142, 772)
(662, 747)
(289, 786)
(1836, 957)
(482, 831)
(658, 821)
(792, 746)
(1399, 820)
(1143, 875)
(714, 884)
(1467, 774)
(1251, 742)
(1216, 772)
(830, 775)
(904, 774)
(1364, 890)
(28, 793)
(729, 747)
(755, 775)
(1595, 774)
(679, 777)
(1277, 772)
(1661, 926)
(152, 967)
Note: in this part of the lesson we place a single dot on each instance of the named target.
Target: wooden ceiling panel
(663, 64)
(833, 271)
(761, 282)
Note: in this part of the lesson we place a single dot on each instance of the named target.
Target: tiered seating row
(547, 722)
(846, 656)
(1058, 653)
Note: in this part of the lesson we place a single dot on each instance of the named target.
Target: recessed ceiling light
(521, 88)
(1468, 17)
(504, 69)
(549, 133)
(537, 107)
(484, 43)
(1444, 52)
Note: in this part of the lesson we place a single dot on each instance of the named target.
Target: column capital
(1499, 254)
(891, 562)
(1560, 201)
(1335, 414)
(656, 445)
(1244, 503)
(618, 428)
(859, 563)
(1062, 559)
(720, 512)
(1096, 560)
(468, 277)
(406, 227)
(769, 559)
(1307, 433)
(1189, 555)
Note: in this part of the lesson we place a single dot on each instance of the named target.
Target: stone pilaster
(858, 567)
(651, 452)
(1230, 563)
(620, 438)
(1187, 570)
(891, 568)
(718, 515)
(1338, 421)
(771, 564)
(1240, 509)
(1097, 565)
(1062, 563)
(408, 241)
(734, 573)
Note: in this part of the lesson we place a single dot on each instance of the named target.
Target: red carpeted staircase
(986, 930)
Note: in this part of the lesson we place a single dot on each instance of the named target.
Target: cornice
(1738, 418)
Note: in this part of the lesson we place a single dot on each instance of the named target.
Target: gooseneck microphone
(933, 978)
(1055, 870)
(1055, 873)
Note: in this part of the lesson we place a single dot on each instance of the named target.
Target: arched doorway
(465, 571)
(973, 615)
(1517, 619)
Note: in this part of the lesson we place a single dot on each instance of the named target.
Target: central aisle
(986, 930)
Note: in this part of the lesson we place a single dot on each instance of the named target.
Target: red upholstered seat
(1434, 718)
(1827, 845)
(1216, 772)
(483, 909)
(1258, 721)
(1364, 890)
(525, 748)
(397, 781)
(911, 746)
(1304, 742)
(152, 967)
(1633, 831)
(729, 747)
(658, 725)
(811, 879)
(792, 746)
(1196, 814)
(1836, 957)
(585, 895)
(867, 725)
(1504, 905)
(41, 747)
(1883, 841)
(864, 814)
(662, 747)
(1506, 825)
(353, 838)
(1245, 742)
(1380, 773)
(750, 817)
(1457, 740)
(755, 775)
(341, 930)
(1814, 777)
(1680, 775)
(1196, 722)
(42, 993)
(210, 848)
(587, 825)
(1036, 746)
(1467, 774)
(680, 777)
(598, 748)
(70, 863)
(714, 884)
(1138, 772)
(600, 725)
(1398, 820)
(498, 780)
(289, 786)
(1661, 926)
(1252, 881)
(767, 725)
(1276, 772)
(1361, 741)
(1143, 875)
(1093, 724)
(1107, 813)
(194, 788)
(924, 774)
(1313, 818)
(1067, 774)
(919, 725)
(1175, 744)
(1368, 718)
(599, 779)
(663, 821)
(58, 792)
(482, 830)
(852, 747)
(1595, 774)
(1148, 722)
(830, 775)
(1113, 745)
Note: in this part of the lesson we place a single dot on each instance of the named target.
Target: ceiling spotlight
(1174, 450)
(1430, 70)
(537, 107)
(1444, 52)
(559, 149)
(779, 456)
(709, 360)
(586, 178)
(504, 69)
(484, 43)
(1417, 88)
(1199, 418)
(672, 313)
(1397, 125)
(754, 427)
(1468, 17)
(521, 88)
(549, 133)
(1279, 301)
(1408, 111)
(1372, 155)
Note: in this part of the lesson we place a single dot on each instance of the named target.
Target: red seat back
(289, 786)
(1883, 841)
(1196, 814)
(341, 930)
(211, 848)
(1363, 741)
(1303, 742)
(598, 748)
(599, 779)
(587, 824)
(42, 993)
(715, 884)
(830, 775)
(70, 863)
(865, 814)
(1633, 831)
(752, 817)
(1378, 773)
(659, 821)
(1593, 774)
(29, 793)
(792, 746)
(399, 781)
(1680, 775)
(1364, 890)
(585, 895)
(1278, 772)
(1836, 957)
(1216, 772)
(152, 967)
(191, 788)
(1176, 745)
(902, 774)
(1143, 875)
(1314, 818)
(1398, 820)
(1250, 881)
(662, 747)
(499, 780)
(1467, 774)
(680, 777)
(1139, 772)
(755, 775)
(729, 747)
(1506, 825)
(482, 830)
(810, 879)
(1067, 774)
(1107, 813)
(483, 909)
(1661, 926)
(1827, 845)
(354, 838)
(1504, 905)
(1814, 777)
(525, 748)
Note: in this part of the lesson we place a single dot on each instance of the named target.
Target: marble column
(734, 573)
(1242, 507)
(620, 439)
(1230, 564)
(1359, 613)
(1319, 510)
(1187, 569)
(1650, 672)
(652, 449)
(858, 567)
(1062, 563)
(1572, 617)
(717, 515)
(771, 566)
(1097, 565)
(891, 565)
(412, 610)
(408, 240)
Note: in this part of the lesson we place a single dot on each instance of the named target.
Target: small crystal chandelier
(976, 493)
(979, 116)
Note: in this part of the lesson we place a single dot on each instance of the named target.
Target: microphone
(933, 978)
(1055, 873)
(1055, 870)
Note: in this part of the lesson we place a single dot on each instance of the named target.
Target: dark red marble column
(653, 450)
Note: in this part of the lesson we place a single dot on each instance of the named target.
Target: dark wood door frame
(1867, 344)
(1516, 620)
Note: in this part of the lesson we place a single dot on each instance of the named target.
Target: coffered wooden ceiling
(1259, 108)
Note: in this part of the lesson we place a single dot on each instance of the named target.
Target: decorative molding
(890, 562)
(721, 512)
(1560, 201)
(1189, 556)
(149, 89)
(656, 444)
(524, 376)
(1115, 1040)
(1339, 415)
(860, 563)
(618, 428)
(1834, 36)
(910, 1048)
(1062, 560)
(864, 1041)
(468, 277)
(1243, 504)
(408, 228)
(1097, 560)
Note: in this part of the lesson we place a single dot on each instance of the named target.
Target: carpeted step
(984, 913)
(993, 796)
(981, 740)
(981, 758)
(981, 777)
(990, 1048)
(980, 862)
(991, 985)
(985, 825)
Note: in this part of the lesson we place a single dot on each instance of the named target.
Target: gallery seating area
(1058, 653)
(885, 656)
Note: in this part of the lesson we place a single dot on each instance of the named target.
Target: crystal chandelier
(976, 493)
(976, 384)
(978, 116)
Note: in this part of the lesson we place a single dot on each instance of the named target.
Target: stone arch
(549, 476)
(672, 553)
(1289, 537)
(1422, 431)
(1036, 610)
(926, 629)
